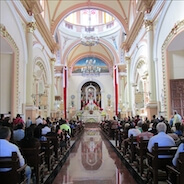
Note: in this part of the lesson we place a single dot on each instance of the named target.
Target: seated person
(136, 130)
(132, 131)
(29, 141)
(6, 149)
(145, 134)
(18, 133)
(161, 138)
(179, 150)
(45, 129)
(178, 129)
(38, 133)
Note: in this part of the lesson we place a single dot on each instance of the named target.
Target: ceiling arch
(103, 50)
(113, 10)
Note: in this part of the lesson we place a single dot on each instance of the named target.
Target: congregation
(50, 140)
(17, 136)
(138, 141)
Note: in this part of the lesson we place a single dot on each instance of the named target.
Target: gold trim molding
(176, 29)
(4, 33)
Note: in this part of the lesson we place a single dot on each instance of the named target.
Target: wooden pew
(177, 172)
(48, 149)
(132, 148)
(55, 141)
(35, 158)
(141, 154)
(16, 175)
(156, 164)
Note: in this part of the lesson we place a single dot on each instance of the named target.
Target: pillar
(29, 73)
(152, 105)
(30, 110)
(129, 98)
(52, 95)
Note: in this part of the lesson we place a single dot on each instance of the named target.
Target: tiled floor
(93, 161)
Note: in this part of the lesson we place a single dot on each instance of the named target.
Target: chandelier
(89, 40)
(91, 69)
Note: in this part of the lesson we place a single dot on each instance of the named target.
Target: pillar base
(151, 109)
(129, 113)
(32, 112)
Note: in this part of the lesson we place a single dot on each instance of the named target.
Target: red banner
(65, 81)
(116, 88)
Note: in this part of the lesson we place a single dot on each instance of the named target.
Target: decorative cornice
(133, 31)
(143, 6)
(33, 7)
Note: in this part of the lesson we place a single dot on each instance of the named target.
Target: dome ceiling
(127, 16)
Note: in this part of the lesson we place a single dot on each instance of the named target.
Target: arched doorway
(90, 96)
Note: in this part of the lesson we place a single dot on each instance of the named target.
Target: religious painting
(92, 63)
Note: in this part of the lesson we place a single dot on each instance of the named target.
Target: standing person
(28, 122)
(39, 120)
(18, 120)
(6, 149)
(1, 119)
(176, 119)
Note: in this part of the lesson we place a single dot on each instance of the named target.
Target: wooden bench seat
(48, 149)
(14, 176)
(141, 154)
(55, 141)
(156, 165)
(176, 172)
(35, 159)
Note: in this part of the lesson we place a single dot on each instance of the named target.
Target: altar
(87, 116)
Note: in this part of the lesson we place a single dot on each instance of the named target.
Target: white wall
(5, 83)
(176, 60)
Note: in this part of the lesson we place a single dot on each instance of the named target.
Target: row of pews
(42, 159)
(148, 167)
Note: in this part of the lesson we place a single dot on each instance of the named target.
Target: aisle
(93, 161)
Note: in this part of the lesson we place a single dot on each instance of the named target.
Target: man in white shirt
(6, 149)
(161, 138)
(39, 120)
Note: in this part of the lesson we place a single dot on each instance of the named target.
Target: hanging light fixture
(91, 69)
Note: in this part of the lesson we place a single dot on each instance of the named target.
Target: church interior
(92, 62)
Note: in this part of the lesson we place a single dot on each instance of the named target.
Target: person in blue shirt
(6, 149)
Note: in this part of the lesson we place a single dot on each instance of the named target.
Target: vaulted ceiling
(129, 14)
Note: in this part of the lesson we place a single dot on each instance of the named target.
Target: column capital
(52, 61)
(31, 26)
(127, 59)
(148, 25)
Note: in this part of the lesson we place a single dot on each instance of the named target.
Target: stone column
(47, 89)
(59, 87)
(152, 105)
(129, 98)
(30, 110)
(123, 78)
(52, 95)
(29, 73)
